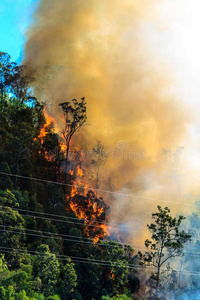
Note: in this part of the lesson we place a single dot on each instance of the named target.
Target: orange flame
(49, 121)
(79, 186)
(63, 147)
(44, 130)
(82, 212)
(112, 275)
(79, 172)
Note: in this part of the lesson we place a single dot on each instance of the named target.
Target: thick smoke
(98, 49)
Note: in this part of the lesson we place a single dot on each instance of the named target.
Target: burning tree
(75, 117)
(85, 205)
(166, 241)
(93, 210)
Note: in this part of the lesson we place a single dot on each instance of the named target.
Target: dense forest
(54, 242)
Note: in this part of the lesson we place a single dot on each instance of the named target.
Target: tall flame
(49, 121)
(79, 186)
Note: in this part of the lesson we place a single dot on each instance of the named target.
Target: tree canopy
(55, 244)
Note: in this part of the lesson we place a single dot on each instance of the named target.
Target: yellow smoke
(99, 50)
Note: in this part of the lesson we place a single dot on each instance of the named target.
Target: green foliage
(54, 297)
(5, 181)
(10, 293)
(165, 235)
(39, 273)
(119, 297)
(40, 297)
(167, 241)
(7, 198)
(12, 227)
(95, 280)
(69, 278)
(47, 269)
(22, 296)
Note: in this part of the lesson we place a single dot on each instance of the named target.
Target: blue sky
(15, 15)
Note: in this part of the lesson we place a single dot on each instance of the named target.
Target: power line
(58, 236)
(45, 232)
(63, 257)
(188, 253)
(93, 261)
(98, 190)
(109, 263)
(58, 220)
(12, 212)
(49, 219)
(71, 222)
(76, 241)
(79, 219)
(84, 219)
(78, 223)
(73, 218)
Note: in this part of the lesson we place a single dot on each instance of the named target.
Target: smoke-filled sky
(137, 64)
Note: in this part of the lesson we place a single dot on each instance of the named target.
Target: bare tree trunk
(66, 162)
(157, 281)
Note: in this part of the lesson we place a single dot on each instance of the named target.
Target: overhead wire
(74, 218)
(93, 261)
(98, 190)
(57, 220)
(138, 247)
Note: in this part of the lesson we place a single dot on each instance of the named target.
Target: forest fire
(87, 206)
(121, 79)
(50, 122)
(80, 200)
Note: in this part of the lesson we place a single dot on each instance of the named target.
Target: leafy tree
(167, 241)
(96, 280)
(24, 152)
(20, 81)
(69, 281)
(4, 272)
(10, 293)
(22, 295)
(5, 181)
(19, 279)
(6, 67)
(75, 117)
(47, 269)
(115, 279)
(20, 143)
(54, 297)
(12, 227)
